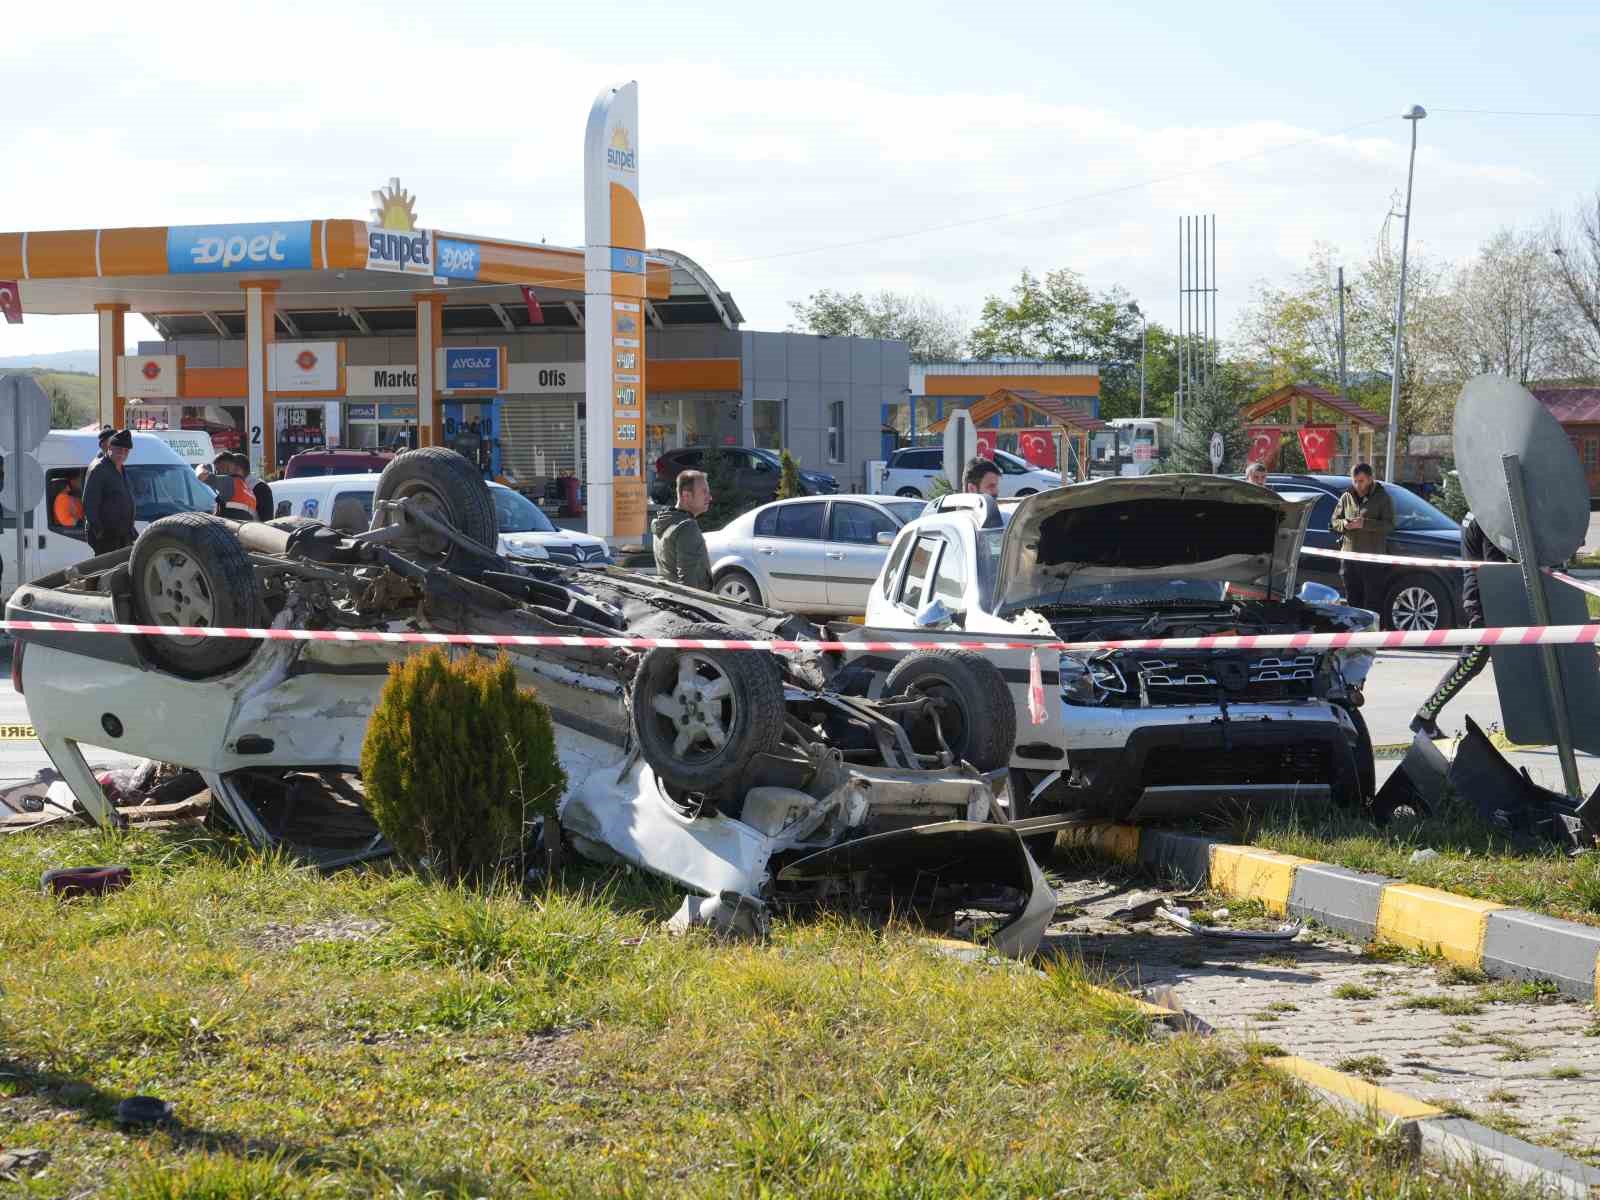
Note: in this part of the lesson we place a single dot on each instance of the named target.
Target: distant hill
(74, 395)
(84, 361)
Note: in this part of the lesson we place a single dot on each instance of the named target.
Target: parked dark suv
(1413, 597)
(756, 471)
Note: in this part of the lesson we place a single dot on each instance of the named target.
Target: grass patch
(1472, 860)
(1369, 1066)
(1455, 1006)
(1354, 991)
(453, 1044)
(1566, 1073)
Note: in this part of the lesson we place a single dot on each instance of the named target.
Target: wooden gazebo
(1022, 410)
(1297, 405)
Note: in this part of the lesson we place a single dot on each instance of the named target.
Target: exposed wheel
(909, 493)
(189, 569)
(445, 486)
(701, 715)
(973, 703)
(1416, 603)
(738, 586)
(1027, 492)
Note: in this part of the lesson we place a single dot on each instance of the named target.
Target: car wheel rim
(427, 501)
(178, 592)
(947, 704)
(735, 589)
(1414, 608)
(698, 709)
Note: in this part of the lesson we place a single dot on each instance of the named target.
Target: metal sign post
(1533, 581)
(16, 481)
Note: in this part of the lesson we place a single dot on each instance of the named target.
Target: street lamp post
(1416, 113)
(1144, 348)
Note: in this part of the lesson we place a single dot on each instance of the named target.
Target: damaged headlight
(1090, 678)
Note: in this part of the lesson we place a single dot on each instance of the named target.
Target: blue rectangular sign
(630, 261)
(361, 412)
(397, 412)
(263, 246)
(472, 368)
(454, 259)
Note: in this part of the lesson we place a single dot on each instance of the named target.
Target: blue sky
(772, 138)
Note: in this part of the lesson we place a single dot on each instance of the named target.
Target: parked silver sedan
(812, 554)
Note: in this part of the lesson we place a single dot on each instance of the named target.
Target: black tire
(909, 493)
(1417, 602)
(976, 715)
(189, 569)
(1027, 492)
(448, 488)
(735, 576)
(749, 715)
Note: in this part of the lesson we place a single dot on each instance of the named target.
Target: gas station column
(111, 316)
(430, 338)
(260, 331)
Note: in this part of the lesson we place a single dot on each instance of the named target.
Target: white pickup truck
(912, 469)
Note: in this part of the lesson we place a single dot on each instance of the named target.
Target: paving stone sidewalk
(1529, 1067)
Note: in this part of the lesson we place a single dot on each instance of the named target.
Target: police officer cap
(105, 432)
(123, 438)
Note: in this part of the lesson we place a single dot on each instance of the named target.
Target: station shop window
(836, 431)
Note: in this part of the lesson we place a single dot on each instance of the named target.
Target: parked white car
(1129, 734)
(912, 470)
(345, 503)
(816, 555)
(162, 484)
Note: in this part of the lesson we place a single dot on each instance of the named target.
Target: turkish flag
(1038, 446)
(1317, 443)
(1265, 441)
(986, 441)
(10, 301)
(535, 313)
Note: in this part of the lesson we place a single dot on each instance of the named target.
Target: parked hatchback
(912, 470)
(1413, 597)
(756, 474)
(807, 555)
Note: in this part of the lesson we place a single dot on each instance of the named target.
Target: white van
(162, 483)
(345, 503)
(193, 445)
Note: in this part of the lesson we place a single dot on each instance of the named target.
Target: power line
(1498, 112)
(1054, 204)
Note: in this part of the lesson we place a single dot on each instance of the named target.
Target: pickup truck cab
(912, 470)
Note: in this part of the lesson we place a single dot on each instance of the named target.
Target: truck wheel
(701, 715)
(909, 493)
(445, 486)
(976, 716)
(189, 569)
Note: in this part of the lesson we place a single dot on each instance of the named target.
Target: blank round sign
(24, 392)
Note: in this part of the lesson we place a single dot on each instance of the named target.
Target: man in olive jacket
(1363, 518)
(680, 547)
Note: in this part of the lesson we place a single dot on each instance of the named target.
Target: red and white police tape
(1402, 560)
(1531, 635)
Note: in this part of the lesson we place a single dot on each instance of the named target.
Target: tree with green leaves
(931, 331)
(788, 477)
(1211, 408)
(723, 479)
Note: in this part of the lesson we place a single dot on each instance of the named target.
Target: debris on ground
(1423, 856)
(68, 882)
(143, 1110)
(14, 1162)
(1182, 918)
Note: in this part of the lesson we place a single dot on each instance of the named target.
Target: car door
(758, 482)
(792, 557)
(1319, 568)
(852, 553)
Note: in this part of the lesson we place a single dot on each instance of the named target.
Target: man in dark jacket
(107, 498)
(1475, 546)
(1363, 518)
(680, 547)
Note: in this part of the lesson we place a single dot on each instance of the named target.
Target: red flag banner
(535, 313)
(10, 301)
(1265, 442)
(1317, 443)
(986, 441)
(1038, 447)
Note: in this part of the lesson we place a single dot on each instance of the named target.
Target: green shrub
(457, 761)
(788, 477)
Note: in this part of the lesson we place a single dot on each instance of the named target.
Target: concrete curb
(1507, 943)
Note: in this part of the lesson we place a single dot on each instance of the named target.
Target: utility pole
(1416, 114)
(1144, 350)
(1344, 382)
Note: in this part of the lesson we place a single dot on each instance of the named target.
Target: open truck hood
(1100, 542)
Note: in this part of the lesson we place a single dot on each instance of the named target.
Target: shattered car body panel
(837, 768)
(1140, 734)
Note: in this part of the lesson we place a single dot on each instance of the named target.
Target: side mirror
(934, 614)
(1319, 593)
(885, 537)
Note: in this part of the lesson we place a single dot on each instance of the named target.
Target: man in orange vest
(235, 499)
(67, 510)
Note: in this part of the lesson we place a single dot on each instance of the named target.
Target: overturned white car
(748, 777)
